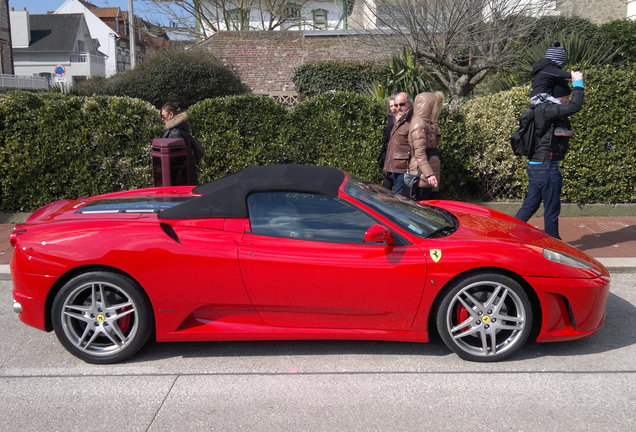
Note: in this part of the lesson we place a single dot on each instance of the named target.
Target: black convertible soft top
(227, 197)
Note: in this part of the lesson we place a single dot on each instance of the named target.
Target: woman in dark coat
(176, 126)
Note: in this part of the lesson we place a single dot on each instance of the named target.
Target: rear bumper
(571, 308)
(30, 291)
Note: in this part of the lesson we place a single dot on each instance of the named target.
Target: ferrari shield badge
(436, 254)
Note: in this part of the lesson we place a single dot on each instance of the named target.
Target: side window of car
(307, 216)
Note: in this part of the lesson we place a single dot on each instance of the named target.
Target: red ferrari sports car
(296, 252)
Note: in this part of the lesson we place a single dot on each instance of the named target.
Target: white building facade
(110, 43)
(278, 15)
(56, 47)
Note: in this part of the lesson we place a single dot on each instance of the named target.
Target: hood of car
(477, 222)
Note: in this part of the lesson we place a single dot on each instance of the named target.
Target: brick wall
(265, 60)
(597, 11)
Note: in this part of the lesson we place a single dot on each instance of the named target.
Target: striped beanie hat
(556, 53)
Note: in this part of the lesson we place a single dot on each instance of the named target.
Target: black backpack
(524, 140)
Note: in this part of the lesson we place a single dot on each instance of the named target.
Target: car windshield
(419, 219)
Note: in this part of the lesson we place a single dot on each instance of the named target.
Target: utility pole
(131, 34)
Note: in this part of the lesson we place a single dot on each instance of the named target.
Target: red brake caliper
(124, 322)
(461, 314)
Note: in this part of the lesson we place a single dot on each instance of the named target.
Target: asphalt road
(323, 386)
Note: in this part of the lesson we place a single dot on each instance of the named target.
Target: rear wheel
(102, 317)
(485, 317)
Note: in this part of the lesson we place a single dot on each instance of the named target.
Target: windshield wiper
(446, 229)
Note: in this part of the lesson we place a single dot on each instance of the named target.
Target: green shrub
(238, 131)
(622, 34)
(185, 77)
(314, 78)
(476, 158)
(342, 130)
(601, 166)
(54, 146)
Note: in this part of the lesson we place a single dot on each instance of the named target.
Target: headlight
(562, 258)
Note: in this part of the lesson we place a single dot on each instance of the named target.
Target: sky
(43, 6)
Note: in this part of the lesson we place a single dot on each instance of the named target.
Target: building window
(239, 19)
(390, 15)
(320, 19)
(80, 48)
(291, 13)
(47, 75)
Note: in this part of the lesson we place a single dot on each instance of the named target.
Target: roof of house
(102, 12)
(53, 32)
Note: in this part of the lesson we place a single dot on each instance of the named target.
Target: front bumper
(571, 308)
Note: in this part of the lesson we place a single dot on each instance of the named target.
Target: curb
(618, 265)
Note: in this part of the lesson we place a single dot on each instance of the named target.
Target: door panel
(302, 283)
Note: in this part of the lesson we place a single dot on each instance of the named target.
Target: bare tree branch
(203, 18)
(460, 41)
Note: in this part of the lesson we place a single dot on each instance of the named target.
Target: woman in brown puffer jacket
(424, 138)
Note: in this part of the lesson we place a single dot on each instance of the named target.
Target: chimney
(20, 29)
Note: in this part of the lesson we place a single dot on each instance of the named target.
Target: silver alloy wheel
(486, 318)
(99, 318)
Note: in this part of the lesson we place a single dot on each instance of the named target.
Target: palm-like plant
(404, 74)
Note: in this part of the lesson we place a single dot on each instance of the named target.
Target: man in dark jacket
(544, 174)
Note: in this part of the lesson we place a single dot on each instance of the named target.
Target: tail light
(18, 230)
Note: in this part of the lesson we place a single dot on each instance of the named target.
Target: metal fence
(23, 82)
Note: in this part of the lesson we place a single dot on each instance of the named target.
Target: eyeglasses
(399, 105)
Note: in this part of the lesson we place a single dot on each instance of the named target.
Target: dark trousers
(387, 181)
(544, 184)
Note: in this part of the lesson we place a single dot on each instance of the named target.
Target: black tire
(486, 317)
(102, 317)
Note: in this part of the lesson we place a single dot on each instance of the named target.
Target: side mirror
(378, 233)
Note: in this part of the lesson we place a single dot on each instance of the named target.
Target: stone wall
(265, 60)
(597, 11)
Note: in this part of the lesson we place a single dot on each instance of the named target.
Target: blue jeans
(544, 184)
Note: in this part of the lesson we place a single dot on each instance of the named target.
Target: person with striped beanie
(547, 73)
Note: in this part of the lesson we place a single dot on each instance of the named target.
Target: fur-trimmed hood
(180, 121)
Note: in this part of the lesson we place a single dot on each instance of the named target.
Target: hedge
(314, 78)
(341, 130)
(54, 146)
(236, 132)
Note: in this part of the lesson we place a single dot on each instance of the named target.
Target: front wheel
(102, 317)
(485, 317)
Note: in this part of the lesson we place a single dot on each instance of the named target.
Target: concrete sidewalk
(610, 239)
